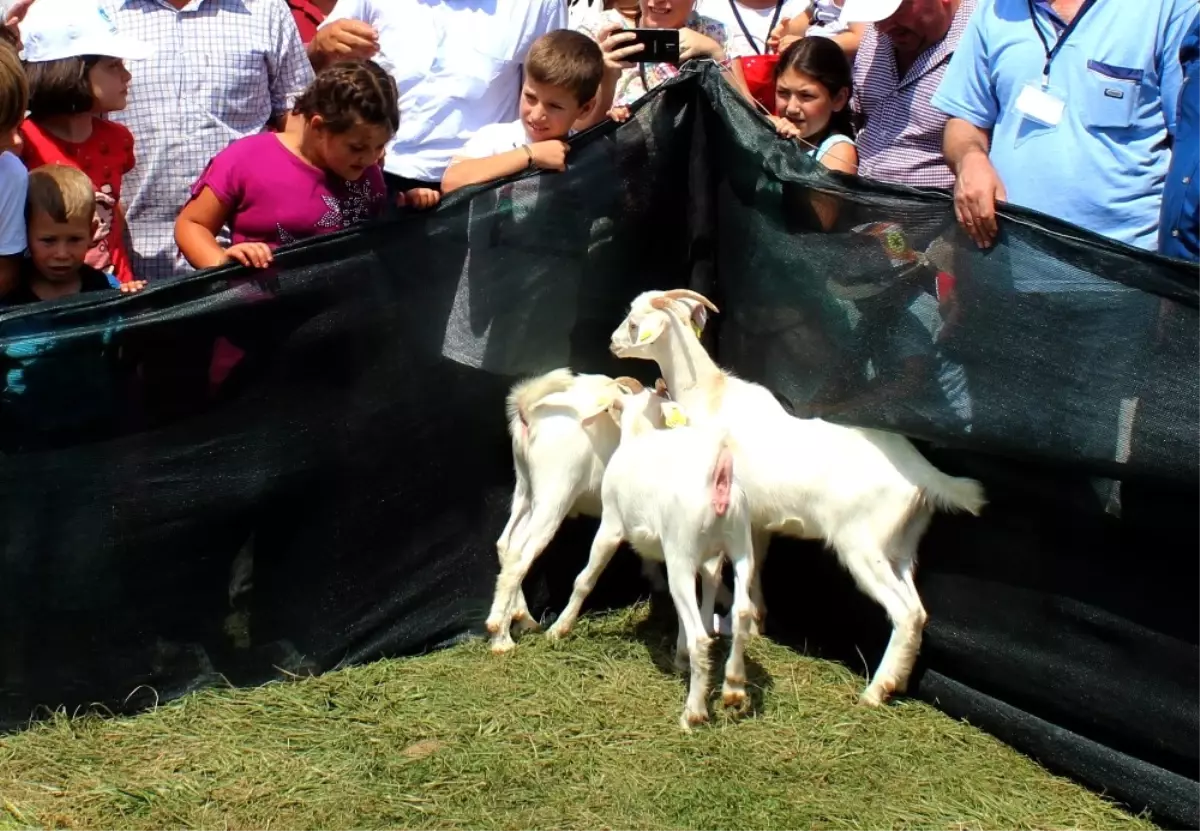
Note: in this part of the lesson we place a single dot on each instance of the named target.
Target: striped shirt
(221, 71)
(901, 141)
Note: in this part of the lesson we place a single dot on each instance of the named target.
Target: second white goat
(562, 439)
(674, 497)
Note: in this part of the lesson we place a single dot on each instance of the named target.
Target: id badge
(1041, 104)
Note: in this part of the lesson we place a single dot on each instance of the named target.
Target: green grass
(581, 734)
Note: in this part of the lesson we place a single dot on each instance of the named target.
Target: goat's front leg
(606, 542)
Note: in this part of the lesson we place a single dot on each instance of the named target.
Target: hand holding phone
(658, 45)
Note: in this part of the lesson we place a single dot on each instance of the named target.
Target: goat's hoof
(557, 632)
(691, 719)
(878, 693)
(733, 697)
(522, 622)
(502, 644)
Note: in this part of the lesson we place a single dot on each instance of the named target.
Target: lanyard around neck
(774, 20)
(1062, 38)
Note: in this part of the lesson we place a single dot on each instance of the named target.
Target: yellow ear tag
(676, 418)
(696, 328)
(645, 336)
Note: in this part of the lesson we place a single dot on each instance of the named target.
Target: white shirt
(757, 21)
(458, 66)
(493, 139)
(221, 70)
(14, 184)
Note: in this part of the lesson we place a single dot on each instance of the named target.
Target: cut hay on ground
(581, 734)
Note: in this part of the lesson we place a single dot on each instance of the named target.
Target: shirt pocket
(1110, 95)
(236, 89)
(474, 73)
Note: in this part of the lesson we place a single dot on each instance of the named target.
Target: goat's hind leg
(606, 542)
(877, 577)
(517, 526)
(539, 530)
(733, 690)
(682, 581)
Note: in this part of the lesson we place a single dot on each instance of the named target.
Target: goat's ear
(673, 415)
(650, 329)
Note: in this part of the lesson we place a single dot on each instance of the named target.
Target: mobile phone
(659, 45)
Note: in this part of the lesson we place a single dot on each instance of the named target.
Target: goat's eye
(632, 328)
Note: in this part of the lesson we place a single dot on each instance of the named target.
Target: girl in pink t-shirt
(322, 174)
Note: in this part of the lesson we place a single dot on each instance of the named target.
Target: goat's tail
(952, 493)
(525, 394)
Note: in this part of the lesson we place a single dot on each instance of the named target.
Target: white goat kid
(868, 494)
(560, 449)
(674, 497)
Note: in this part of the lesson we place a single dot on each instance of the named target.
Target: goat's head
(651, 314)
(646, 410)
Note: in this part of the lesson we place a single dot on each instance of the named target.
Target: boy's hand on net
(420, 199)
(132, 286)
(619, 114)
(550, 155)
(252, 254)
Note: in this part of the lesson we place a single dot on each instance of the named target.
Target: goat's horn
(633, 383)
(676, 294)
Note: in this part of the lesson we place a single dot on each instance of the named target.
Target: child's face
(804, 101)
(548, 112)
(58, 248)
(349, 154)
(110, 85)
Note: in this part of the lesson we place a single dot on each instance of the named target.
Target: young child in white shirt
(563, 71)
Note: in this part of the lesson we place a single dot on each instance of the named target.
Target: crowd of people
(217, 130)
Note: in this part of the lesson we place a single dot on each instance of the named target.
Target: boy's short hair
(63, 193)
(14, 89)
(567, 59)
(60, 87)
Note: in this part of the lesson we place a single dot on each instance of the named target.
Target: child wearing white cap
(75, 62)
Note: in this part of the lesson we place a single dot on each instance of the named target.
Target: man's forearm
(961, 139)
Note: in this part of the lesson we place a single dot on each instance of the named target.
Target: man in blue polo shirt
(1065, 107)
(1180, 225)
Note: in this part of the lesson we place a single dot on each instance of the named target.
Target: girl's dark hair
(824, 61)
(347, 92)
(60, 87)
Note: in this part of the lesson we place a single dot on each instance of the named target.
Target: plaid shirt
(901, 141)
(222, 70)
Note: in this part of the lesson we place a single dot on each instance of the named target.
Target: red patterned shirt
(105, 156)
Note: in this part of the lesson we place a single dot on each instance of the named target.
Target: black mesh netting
(227, 474)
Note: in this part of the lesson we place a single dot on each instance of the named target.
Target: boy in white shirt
(563, 71)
